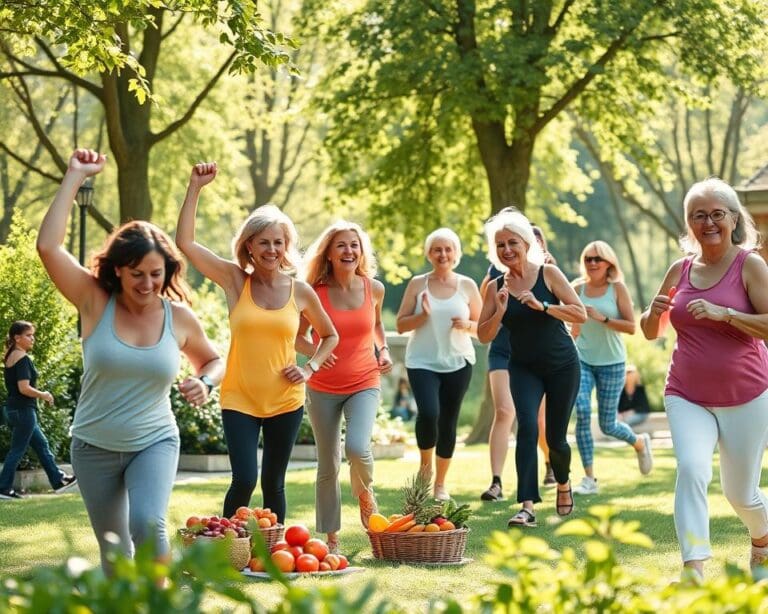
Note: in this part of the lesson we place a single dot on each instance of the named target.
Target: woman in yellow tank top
(263, 388)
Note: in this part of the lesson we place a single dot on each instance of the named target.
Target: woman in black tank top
(533, 301)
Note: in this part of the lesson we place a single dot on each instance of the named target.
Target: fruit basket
(239, 547)
(272, 534)
(438, 547)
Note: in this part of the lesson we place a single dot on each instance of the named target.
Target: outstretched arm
(74, 281)
(222, 272)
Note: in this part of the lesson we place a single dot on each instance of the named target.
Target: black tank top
(536, 338)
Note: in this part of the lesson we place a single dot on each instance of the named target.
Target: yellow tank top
(262, 346)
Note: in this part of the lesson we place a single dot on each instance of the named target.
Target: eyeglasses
(593, 259)
(718, 215)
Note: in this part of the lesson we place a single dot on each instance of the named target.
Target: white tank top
(436, 345)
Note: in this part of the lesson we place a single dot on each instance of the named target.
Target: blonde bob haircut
(446, 234)
(605, 251)
(317, 266)
(512, 220)
(257, 222)
(744, 234)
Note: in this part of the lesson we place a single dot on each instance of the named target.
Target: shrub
(26, 293)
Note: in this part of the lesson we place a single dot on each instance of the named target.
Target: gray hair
(448, 235)
(745, 234)
(515, 222)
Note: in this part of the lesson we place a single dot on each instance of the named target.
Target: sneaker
(588, 486)
(441, 494)
(11, 494)
(67, 482)
(493, 493)
(645, 457)
(757, 558)
(549, 477)
(368, 506)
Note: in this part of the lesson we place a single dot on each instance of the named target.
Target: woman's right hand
(297, 374)
(660, 304)
(47, 397)
(202, 174)
(88, 162)
(502, 299)
(426, 308)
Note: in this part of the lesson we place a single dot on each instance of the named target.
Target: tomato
(296, 551)
(297, 535)
(325, 566)
(343, 562)
(192, 521)
(284, 561)
(307, 563)
(317, 547)
(255, 565)
(281, 545)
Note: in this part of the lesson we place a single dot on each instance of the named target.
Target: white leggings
(741, 432)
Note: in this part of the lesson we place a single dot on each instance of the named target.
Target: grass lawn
(44, 530)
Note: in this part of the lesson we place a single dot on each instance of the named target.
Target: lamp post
(84, 200)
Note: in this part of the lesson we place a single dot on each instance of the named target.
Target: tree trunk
(133, 184)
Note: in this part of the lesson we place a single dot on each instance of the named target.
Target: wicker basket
(272, 534)
(239, 548)
(442, 547)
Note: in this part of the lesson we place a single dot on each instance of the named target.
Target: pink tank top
(713, 363)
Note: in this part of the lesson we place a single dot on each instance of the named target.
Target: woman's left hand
(194, 391)
(385, 361)
(527, 298)
(297, 374)
(701, 309)
(594, 313)
(461, 324)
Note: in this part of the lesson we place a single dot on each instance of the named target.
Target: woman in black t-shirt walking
(20, 380)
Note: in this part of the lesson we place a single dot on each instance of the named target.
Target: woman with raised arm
(717, 385)
(441, 308)
(135, 322)
(340, 266)
(263, 389)
(602, 354)
(543, 356)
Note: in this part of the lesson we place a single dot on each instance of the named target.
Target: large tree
(124, 43)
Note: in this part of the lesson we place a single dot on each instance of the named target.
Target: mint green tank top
(598, 344)
(125, 402)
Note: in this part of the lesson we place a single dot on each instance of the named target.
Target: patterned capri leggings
(609, 381)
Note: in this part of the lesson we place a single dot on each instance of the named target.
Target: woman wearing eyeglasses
(717, 384)
(603, 357)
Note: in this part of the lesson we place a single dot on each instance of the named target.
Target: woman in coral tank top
(263, 387)
(340, 267)
(717, 385)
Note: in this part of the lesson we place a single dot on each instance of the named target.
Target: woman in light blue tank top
(125, 443)
(603, 356)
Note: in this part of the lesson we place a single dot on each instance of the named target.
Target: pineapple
(417, 497)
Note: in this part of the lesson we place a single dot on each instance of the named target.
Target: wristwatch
(606, 320)
(545, 306)
(313, 366)
(730, 313)
(207, 381)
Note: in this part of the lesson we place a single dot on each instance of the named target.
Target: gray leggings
(127, 493)
(325, 411)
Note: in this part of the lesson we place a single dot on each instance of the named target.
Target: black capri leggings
(438, 397)
(242, 434)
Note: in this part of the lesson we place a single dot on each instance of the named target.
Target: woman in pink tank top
(340, 267)
(717, 386)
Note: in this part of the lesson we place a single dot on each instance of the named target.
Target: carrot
(396, 524)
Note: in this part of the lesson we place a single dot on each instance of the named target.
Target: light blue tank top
(125, 403)
(598, 344)
(436, 345)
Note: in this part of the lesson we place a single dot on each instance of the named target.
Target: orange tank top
(356, 367)
(262, 346)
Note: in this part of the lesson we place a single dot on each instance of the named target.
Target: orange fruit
(255, 564)
(264, 523)
(332, 560)
(324, 566)
(417, 528)
(431, 528)
(394, 517)
(447, 526)
(377, 523)
(242, 512)
(284, 561)
(272, 518)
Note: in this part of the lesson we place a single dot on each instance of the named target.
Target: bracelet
(545, 305)
(607, 319)
(384, 347)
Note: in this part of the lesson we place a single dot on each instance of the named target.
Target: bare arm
(380, 336)
(199, 350)
(407, 319)
(29, 391)
(661, 303)
(491, 312)
(475, 305)
(570, 308)
(74, 281)
(626, 321)
(310, 307)
(222, 272)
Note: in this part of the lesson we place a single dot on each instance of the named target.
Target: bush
(26, 293)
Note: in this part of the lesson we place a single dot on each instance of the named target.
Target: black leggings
(561, 385)
(242, 434)
(438, 397)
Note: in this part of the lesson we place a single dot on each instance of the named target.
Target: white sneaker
(440, 493)
(588, 486)
(645, 457)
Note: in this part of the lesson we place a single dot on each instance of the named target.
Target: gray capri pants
(127, 493)
(325, 411)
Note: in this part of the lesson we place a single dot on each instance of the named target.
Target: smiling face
(25, 340)
(144, 281)
(511, 249)
(344, 251)
(711, 222)
(267, 248)
(442, 254)
(595, 265)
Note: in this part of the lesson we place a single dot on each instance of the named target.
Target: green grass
(44, 530)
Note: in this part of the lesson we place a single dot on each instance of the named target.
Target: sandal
(564, 509)
(523, 518)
